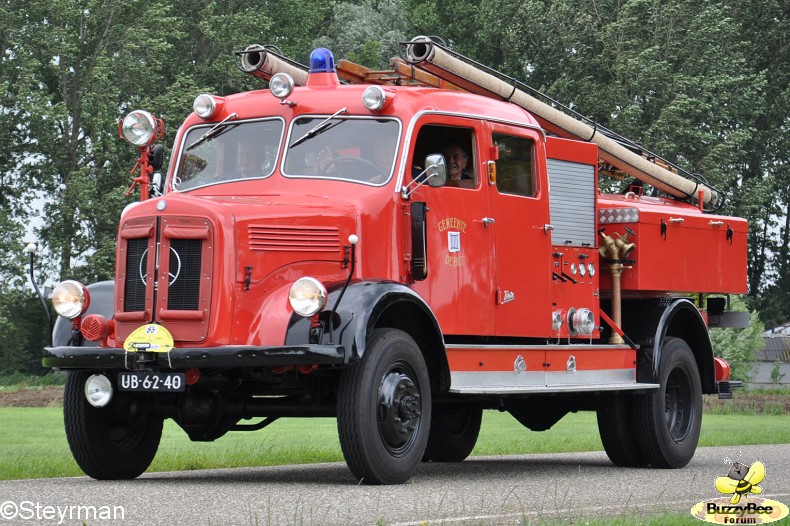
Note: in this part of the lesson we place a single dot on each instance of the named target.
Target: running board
(514, 390)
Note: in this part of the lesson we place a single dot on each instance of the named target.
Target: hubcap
(399, 409)
(678, 406)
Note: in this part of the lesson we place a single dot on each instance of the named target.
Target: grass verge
(33, 442)
(10, 382)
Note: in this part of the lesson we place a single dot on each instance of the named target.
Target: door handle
(488, 221)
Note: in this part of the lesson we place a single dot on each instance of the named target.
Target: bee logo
(741, 481)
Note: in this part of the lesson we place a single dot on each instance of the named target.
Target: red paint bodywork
(503, 279)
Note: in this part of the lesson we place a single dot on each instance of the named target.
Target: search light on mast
(141, 128)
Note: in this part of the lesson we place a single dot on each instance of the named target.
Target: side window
(457, 146)
(515, 170)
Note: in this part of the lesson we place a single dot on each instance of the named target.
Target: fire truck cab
(399, 257)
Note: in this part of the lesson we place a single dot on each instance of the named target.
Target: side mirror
(156, 184)
(156, 157)
(435, 174)
(437, 170)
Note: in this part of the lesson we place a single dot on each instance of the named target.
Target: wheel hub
(677, 405)
(399, 410)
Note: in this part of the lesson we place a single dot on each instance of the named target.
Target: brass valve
(616, 247)
(623, 246)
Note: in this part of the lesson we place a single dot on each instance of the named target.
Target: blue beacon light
(322, 61)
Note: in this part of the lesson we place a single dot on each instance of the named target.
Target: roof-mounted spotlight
(376, 98)
(206, 106)
(281, 86)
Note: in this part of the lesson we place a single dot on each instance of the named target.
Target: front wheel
(115, 442)
(668, 420)
(384, 409)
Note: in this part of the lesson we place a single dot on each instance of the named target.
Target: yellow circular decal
(149, 338)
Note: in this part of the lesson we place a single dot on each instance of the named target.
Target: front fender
(364, 306)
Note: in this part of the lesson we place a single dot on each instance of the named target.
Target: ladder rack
(425, 62)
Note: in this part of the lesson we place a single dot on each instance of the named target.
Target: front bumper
(182, 358)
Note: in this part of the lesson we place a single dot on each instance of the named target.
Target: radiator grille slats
(183, 266)
(136, 268)
(278, 238)
(184, 274)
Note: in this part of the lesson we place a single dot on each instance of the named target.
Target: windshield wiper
(321, 126)
(213, 132)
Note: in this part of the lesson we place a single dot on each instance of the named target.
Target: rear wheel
(453, 434)
(668, 420)
(118, 441)
(384, 409)
(615, 424)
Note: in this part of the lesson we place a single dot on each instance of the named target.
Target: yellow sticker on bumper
(149, 338)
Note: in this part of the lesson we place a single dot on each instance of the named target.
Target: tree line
(706, 84)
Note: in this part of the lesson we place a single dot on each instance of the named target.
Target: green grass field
(33, 442)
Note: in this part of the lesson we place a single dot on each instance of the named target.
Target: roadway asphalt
(482, 490)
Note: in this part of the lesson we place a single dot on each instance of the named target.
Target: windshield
(233, 151)
(350, 149)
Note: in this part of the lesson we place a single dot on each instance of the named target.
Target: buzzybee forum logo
(740, 505)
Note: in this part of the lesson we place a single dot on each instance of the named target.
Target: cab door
(519, 207)
(459, 280)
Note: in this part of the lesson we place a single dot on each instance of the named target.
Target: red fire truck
(401, 250)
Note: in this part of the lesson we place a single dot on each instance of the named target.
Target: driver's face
(456, 161)
(248, 159)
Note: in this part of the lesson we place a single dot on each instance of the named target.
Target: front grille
(136, 268)
(184, 274)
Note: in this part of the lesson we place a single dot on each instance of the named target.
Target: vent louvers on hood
(279, 238)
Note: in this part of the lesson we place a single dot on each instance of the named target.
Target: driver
(382, 153)
(253, 158)
(321, 165)
(457, 160)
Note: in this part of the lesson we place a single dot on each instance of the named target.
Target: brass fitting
(616, 248)
(624, 248)
(608, 248)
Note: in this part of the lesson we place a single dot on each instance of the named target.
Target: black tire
(384, 409)
(616, 426)
(114, 442)
(453, 434)
(668, 419)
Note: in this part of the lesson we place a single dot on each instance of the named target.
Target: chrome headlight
(307, 296)
(204, 106)
(281, 85)
(139, 128)
(374, 98)
(70, 299)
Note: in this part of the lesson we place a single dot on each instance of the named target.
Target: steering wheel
(348, 159)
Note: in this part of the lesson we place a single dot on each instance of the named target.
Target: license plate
(167, 382)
